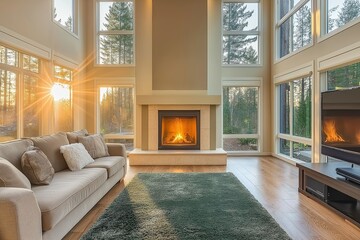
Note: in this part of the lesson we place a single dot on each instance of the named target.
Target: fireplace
(341, 124)
(179, 130)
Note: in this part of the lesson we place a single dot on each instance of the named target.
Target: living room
(253, 70)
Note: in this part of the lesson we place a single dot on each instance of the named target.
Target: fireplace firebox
(179, 130)
(340, 112)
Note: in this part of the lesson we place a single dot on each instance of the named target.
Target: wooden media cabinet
(320, 182)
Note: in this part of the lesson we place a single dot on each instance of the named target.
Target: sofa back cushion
(95, 145)
(13, 150)
(10, 176)
(73, 136)
(50, 145)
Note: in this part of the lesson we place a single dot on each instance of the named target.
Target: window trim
(98, 33)
(258, 33)
(245, 82)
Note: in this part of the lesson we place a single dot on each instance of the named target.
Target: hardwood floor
(273, 183)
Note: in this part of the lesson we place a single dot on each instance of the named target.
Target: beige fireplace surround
(149, 154)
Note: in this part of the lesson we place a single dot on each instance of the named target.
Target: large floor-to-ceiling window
(241, 49)
(19, 94)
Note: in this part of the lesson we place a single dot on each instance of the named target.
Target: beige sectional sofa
(51, 211)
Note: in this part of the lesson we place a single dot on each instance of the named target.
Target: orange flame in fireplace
(331, 133)
(179, 130)
(179, 138)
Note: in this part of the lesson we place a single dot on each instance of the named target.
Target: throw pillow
(95, 145)
(76, 156)
(37, 167)
(10, 176)
(50, 145)
(73, 136)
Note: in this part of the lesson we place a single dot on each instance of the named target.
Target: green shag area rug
(185, 206)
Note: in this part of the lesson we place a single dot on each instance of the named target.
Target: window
(19, 79)
(61, 92)
(63, 13)
(293, 26)
(240, 118)
(337, 13)
(344, 77)
(115, 32)
(8, 105)
(116, 114)
(240, 32)
(295, 119)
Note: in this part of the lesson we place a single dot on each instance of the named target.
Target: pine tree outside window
(115, 32)
(338, 13)
(240, 27)
(293, 26)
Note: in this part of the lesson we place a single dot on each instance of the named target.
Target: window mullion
(19, 103)
(291, 105)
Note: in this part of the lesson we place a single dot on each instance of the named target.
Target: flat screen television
(340, 122)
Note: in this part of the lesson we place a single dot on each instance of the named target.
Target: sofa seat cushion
(112, 164)
(66, 191)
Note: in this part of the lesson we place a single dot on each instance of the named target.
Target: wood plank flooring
(273, 183)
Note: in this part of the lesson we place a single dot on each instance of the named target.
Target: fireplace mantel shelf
(178, 152)
(178, 99)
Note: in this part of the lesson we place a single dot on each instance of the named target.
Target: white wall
(33, 20)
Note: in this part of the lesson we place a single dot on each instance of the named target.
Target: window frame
(75, 14)
(279, 21)
(99, 33)
(120, 83)
(257, 33)
(244, 82)
(293, 75)
(322, 6)
(20, 73)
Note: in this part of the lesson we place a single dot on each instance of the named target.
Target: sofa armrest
(117, 149)
(20, 216)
